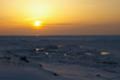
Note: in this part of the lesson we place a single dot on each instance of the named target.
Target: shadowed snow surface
(60, 58)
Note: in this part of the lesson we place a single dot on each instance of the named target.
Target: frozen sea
(60, 58)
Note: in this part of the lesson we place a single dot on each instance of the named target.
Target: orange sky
(60, 17)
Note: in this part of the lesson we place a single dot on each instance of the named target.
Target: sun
(38, 24)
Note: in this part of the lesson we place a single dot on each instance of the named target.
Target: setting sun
(38, 24)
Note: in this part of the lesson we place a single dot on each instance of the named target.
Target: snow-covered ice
(60, 58)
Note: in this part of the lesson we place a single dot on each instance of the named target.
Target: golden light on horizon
(38, 24)
(64, 17)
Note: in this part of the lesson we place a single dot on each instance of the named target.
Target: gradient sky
(60, 17)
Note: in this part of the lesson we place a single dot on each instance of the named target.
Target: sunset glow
(63, 17)
(38, 24)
